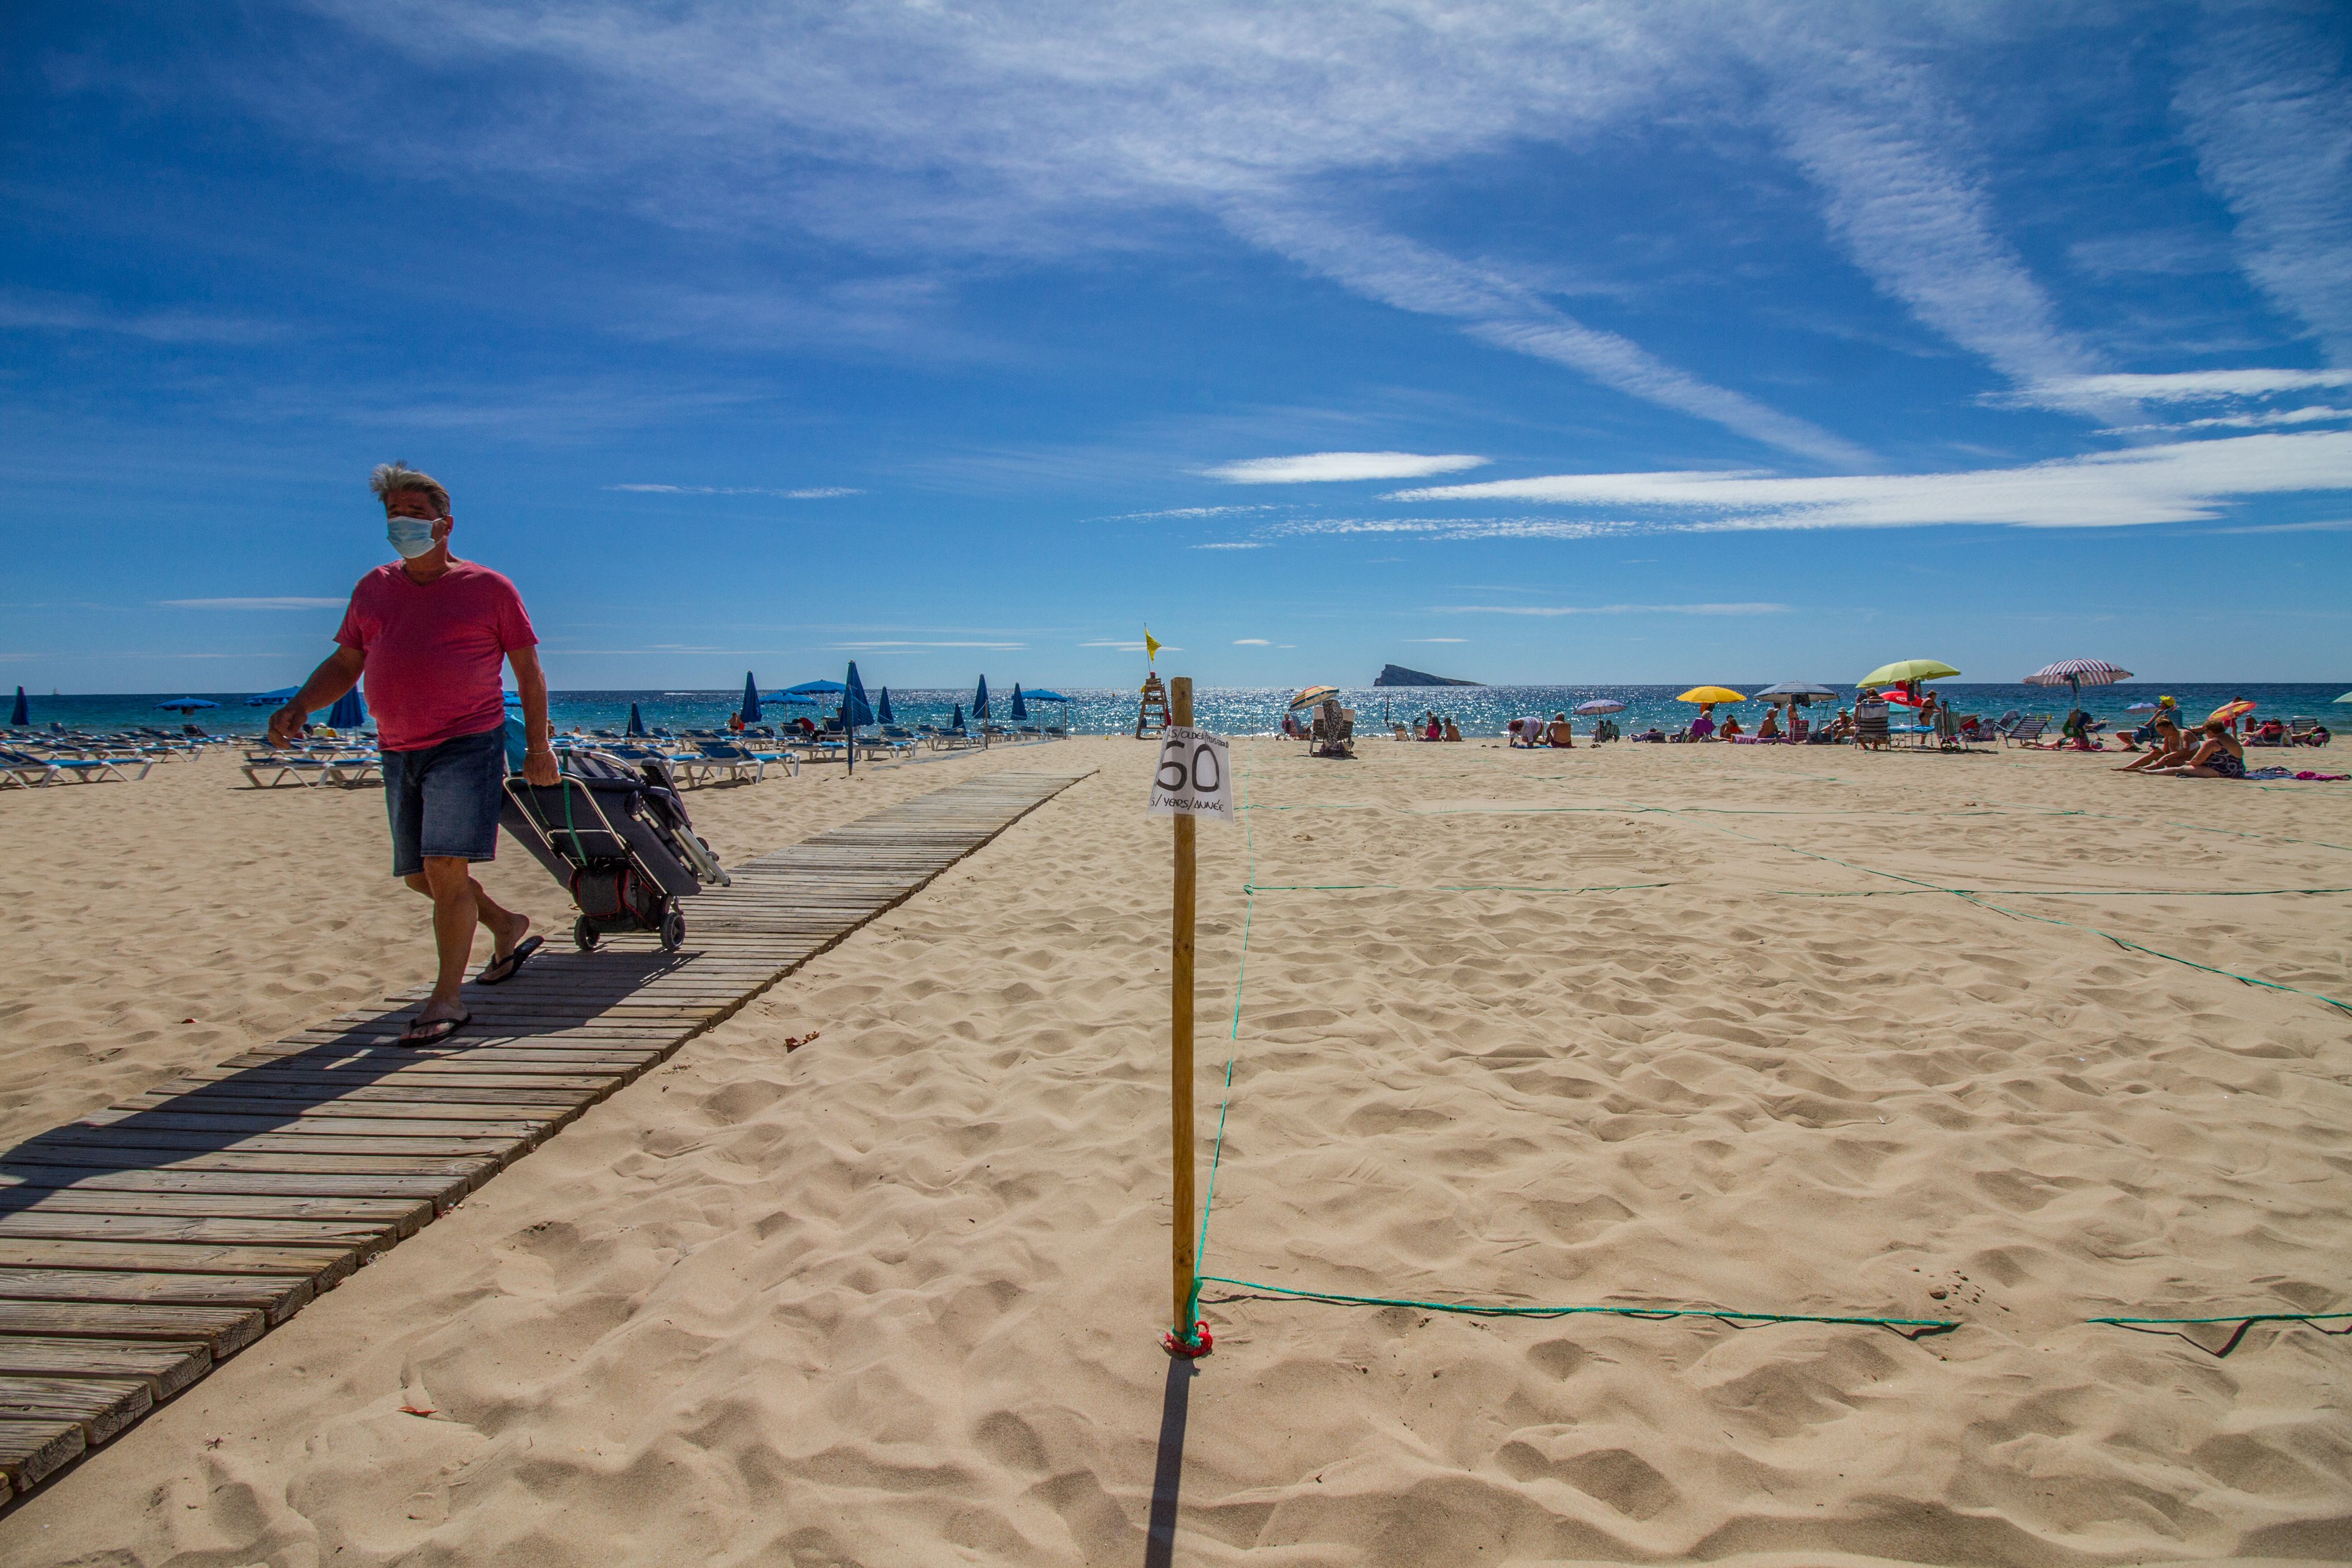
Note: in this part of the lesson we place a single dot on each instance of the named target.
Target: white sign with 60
(1195, 777)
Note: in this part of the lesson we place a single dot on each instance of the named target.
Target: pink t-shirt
(433, 649)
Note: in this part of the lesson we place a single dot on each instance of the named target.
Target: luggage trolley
(619, 838)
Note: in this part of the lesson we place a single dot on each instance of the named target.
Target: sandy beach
(1662, 1025)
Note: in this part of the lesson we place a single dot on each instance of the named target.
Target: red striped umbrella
(2077, 674)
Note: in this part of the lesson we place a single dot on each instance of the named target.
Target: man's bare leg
(458, 905)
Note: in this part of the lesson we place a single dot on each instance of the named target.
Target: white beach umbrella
(2077, 673)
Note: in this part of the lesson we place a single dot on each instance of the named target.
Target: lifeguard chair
(1155, 701)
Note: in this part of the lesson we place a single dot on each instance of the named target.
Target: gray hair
(390, 478)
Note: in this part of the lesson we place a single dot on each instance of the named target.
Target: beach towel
(2306, 775)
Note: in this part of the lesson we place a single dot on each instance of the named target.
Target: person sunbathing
(1562, 733)
(2219, 756)
(2165, 748)
(1453, 730)
(1730, 730)
(1770, 728)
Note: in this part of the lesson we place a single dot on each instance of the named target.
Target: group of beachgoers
(2210, 750)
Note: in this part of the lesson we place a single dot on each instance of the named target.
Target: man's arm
(530, 685)
(336, 674)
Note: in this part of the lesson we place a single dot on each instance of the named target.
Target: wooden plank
(401, 1215)
(141, 1154)
(32, 1448)
(325, 1265)
(437, 1188)
(364, 1239)
(165, 1367)
(277, 1296)
(513, 1113)
(333, 1122)
(104, 1406)
(222, 1331)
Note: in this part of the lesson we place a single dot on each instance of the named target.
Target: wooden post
(1179, 1041)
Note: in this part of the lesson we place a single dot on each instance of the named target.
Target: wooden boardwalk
(139, 1245)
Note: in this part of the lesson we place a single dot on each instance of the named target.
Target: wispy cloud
(1437, 639)
(2182, 482)
(1253, 641)
(1233, 544)
(261, 602)
(1324, 467)
(1191, 512)
(1756, 609)
(34, 311)
(1878, 138)
(2269, 110)
(1512, 314)
(813, 493)
(2177, 386)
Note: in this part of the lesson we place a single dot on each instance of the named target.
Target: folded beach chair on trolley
(619, 838)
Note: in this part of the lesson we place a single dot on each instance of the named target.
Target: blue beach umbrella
(187, 705)
(278, 698)
(980, 709)
(350, 711)
(21, 714)
(957, 722)
(854, 710)
(637, 721)
(808, 689)
(882, 714)
(1020, 708)
(751, 699)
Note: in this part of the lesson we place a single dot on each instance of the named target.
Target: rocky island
(1398, 675)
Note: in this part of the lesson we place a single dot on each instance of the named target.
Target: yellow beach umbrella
(2228, 711)
(1710, 695)
(1908, 670)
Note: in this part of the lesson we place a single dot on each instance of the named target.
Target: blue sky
(1512, 341)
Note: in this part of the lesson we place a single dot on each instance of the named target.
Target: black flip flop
(432, 1031)
(500, 970)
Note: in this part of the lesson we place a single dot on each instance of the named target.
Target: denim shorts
(444, 799)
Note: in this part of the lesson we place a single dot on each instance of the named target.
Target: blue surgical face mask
(412, 536)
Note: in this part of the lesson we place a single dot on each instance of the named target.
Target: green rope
(1479, 1309)
(2059, 892)
(2233, 1318)
(1445, 887)
(1233, 1052)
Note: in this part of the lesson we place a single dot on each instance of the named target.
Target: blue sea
(1237, 710)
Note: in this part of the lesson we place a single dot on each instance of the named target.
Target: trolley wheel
(583, 935)
(673, 932)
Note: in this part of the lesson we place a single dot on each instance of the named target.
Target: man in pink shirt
(431, 630)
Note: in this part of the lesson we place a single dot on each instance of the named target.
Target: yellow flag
(1151, 645)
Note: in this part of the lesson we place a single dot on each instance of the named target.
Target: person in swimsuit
(2219, 757)
(2165, 748)
(1560, 733)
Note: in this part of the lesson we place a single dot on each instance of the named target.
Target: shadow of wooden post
(1168, 1474)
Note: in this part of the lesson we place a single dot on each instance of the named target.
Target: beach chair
(2303, 731)
(1334, 733)
(2026, 731)
(90, 770)
(726, 757)
(25, 771)
(350, 769)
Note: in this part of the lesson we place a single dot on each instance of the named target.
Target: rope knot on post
(1191, 1347)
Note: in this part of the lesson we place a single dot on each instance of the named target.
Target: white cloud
(2317, 414)
(1437, 639)
(1233, 544)
(1187, 512)
(1320, 467)
(1880, 142)
(36, 310)
(1754, 609)
(285, 602)
(2178, 386)
(815, 493)
(1511, 315)
(2270, 113)
(1253, 641)
(2185, 482)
